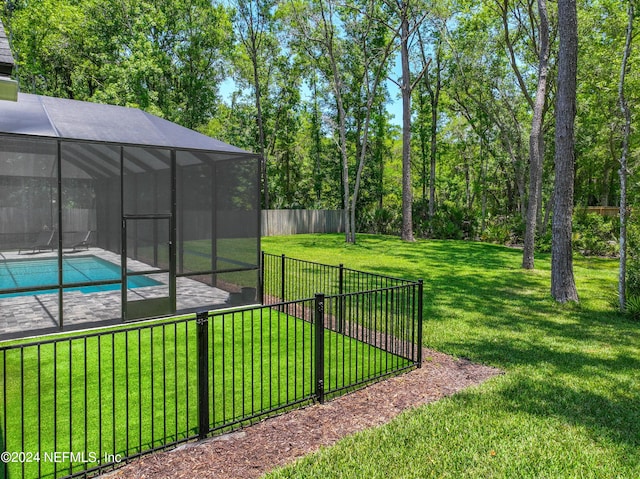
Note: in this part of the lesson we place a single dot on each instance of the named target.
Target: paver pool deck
(22, 314)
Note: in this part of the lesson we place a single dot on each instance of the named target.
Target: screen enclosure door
(148, 271)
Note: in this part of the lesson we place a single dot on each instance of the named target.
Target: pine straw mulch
(279, 440)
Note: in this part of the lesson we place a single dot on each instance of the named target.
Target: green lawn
(568, 404)
(133, 388)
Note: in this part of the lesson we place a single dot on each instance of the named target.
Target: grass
(568, 404)
(131, 388)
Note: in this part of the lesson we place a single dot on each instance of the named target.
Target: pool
(33, 273)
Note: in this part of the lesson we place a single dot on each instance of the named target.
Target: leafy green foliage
(543, 242)
(595, 234)
(175, 58)
(632, 307)
(503, 230)
(379, 221)
(164, 57)
(452, 221)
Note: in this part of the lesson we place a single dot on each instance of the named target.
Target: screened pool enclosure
(109, 214)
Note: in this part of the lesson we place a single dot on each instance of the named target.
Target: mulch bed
(254, 450)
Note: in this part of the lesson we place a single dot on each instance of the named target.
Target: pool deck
(22, 316)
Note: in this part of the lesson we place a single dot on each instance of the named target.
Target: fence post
(420, 292)
(262, 276)
(202, 331)
(319, 345)
(341, 302)
(282, 279)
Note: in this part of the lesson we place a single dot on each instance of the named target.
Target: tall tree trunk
(483, 186)
(563, 287)
(379, 71)
(435, 100)
(250, 36)
(624, 107)
(317, 143)
(337, 85)
(260, 122)
(536, 141)
(349, 233)
(380, 172)
(407, 193)
(423, 143)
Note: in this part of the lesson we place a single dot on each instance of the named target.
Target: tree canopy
(374, 107)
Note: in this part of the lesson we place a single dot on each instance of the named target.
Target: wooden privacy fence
(291, 222)
(604, 210)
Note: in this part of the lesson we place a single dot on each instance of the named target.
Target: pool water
(31, 273)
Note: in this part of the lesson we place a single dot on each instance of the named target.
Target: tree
(351, 53)
(536, 141)
(409, 16)
(433, 85)
(165, 56)
(434, 89)
(563, 287)
(253, 23)
(47, 40)
(484, 92)
(626, 113)
(319, 39)
(406, 89)
(197, 59)
(375, 48)
(602, 31)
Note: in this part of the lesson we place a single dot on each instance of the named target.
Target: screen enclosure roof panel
(35, 115)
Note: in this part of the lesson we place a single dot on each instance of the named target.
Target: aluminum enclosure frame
(83, 170)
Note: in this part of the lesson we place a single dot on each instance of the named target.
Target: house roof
(6, 58)
(42, 116)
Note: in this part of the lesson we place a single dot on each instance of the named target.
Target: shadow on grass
(613, 415)
(582, 370)
(555, 356)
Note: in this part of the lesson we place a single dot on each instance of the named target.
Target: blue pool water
(31, 273)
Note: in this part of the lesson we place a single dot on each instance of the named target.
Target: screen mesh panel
(195, 214)
(218, 228)
(91, 214)
(147, 181)
(28, 229)
(237, 208)
(28, 192)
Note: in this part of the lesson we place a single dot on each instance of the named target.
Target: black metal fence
(78, 405)
(286, 279)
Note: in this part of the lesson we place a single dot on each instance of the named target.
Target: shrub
(452, 222)
(632, 307)
(633, 276)
(594, 234)
(421, 218)
(503, 230)
(379, 221)
(543, 241)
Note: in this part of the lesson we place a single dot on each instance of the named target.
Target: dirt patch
(279, 440)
